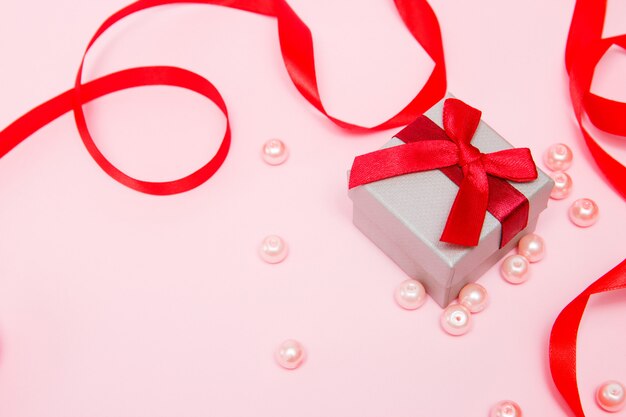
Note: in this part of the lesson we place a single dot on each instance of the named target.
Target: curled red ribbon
(451, 148)
(565, 332)
(585, 48)
(297, 50)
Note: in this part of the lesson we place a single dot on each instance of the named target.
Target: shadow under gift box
(405, 216)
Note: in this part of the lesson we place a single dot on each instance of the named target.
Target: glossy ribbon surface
(565, 332)
(585, 49)
(480, 176)
(296, 45)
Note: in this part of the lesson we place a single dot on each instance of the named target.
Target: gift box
(447, 197)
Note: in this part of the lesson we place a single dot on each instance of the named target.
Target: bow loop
(460, 122)
(401, 160)
(511, 164)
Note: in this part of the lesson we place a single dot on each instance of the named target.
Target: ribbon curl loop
(565, 332)
(585, 48)
(296, 45)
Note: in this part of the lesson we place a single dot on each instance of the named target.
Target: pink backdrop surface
(115, 303)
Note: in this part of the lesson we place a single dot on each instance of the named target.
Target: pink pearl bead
(273, 249)
(558, 157)
(583, 212)
(474, 297)
(515, 269)
(456, 320)
(290, 354)
(610, 396)
(562, 185)
(275, 152)
(531, 247)
(410, 294)
(506, 408)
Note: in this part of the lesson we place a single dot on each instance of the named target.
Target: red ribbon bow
(454, 147)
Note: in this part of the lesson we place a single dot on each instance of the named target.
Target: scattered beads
(474, 297)
(514, 269)
(610, 396)
(562, 185)
(275, 152)
(456, 319)
(558, 157)
(273, 249)
(506, 408)
(531, 247)
(290, 354)
(410, 294)
(583, 212)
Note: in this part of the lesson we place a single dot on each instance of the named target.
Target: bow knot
(469, 154)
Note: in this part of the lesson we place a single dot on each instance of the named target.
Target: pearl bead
(558, 157)
(610, 396)
(474, 297)
(290, 354)
(514, 269)
(531, 247)
(275, 152)
(583, 212)
(273, 249)
(506, 408)
(410, 294)
(456, 319)
(562, 185)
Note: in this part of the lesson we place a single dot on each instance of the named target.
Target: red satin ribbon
(297, 50)
(564, 334)
(447, 149)
(509, 206)
(585, 48)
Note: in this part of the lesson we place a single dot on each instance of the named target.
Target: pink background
(115, 303)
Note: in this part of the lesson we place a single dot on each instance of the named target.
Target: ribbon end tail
(467, 215)
(351, 182)
(455, 239)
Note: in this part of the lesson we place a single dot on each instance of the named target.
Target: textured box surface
(405, 216)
